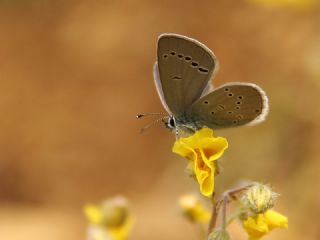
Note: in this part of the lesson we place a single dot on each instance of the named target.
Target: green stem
(234, 216)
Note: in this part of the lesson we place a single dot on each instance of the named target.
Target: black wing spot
(165, 56)
(240, 97)
(212, 113)
(180, 56)
(173, 53)
(221, 106)
(194, 64)
(187, 58)
(230, 94)
(227, 89)
(257, 110)
(230, 112)
(205, 102)
(237, 107)
(235, 121)
(203, 70)
(239, 117)
(238, 103)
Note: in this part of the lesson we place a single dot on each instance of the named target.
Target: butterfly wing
(185, 67)
(157, 82)
(230, 105)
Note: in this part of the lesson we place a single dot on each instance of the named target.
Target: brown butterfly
(182, 77)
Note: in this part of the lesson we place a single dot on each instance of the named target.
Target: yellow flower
(202, 149)
(109, 220)
(259, 225)
(193, 209)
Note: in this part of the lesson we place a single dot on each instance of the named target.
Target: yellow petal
(207, 185)
(122, 232)
(183, 150)
(93, 214)
(263, 223)
(204, 133)
(213, 148)
(194, 140)
(276, 220)
(256, 226)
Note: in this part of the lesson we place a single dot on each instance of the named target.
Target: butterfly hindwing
(230, 105)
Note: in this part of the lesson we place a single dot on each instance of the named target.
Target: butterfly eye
(171, 122)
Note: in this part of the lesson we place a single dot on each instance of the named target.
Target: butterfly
(182, 75)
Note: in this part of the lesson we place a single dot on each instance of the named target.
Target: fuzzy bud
(259, 198)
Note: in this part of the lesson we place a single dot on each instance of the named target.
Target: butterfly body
(182, 76)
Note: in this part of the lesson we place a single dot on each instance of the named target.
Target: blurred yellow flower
(109, 220)
(193, 209)
(202, 149)
(302, 4)
(259, 225)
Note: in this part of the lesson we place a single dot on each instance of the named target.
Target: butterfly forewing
(230, 105)
(185, 67)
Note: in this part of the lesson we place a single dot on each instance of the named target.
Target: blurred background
(73, 75)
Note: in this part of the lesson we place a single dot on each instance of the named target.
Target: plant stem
(224, 201)
(224, 210)
(214, 214)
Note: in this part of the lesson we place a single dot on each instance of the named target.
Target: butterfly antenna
(142, 130)
(140, 115)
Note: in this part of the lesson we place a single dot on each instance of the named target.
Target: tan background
(73, 74)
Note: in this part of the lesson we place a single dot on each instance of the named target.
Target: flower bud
(111, 213)
(259, 198)
(114, 211)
